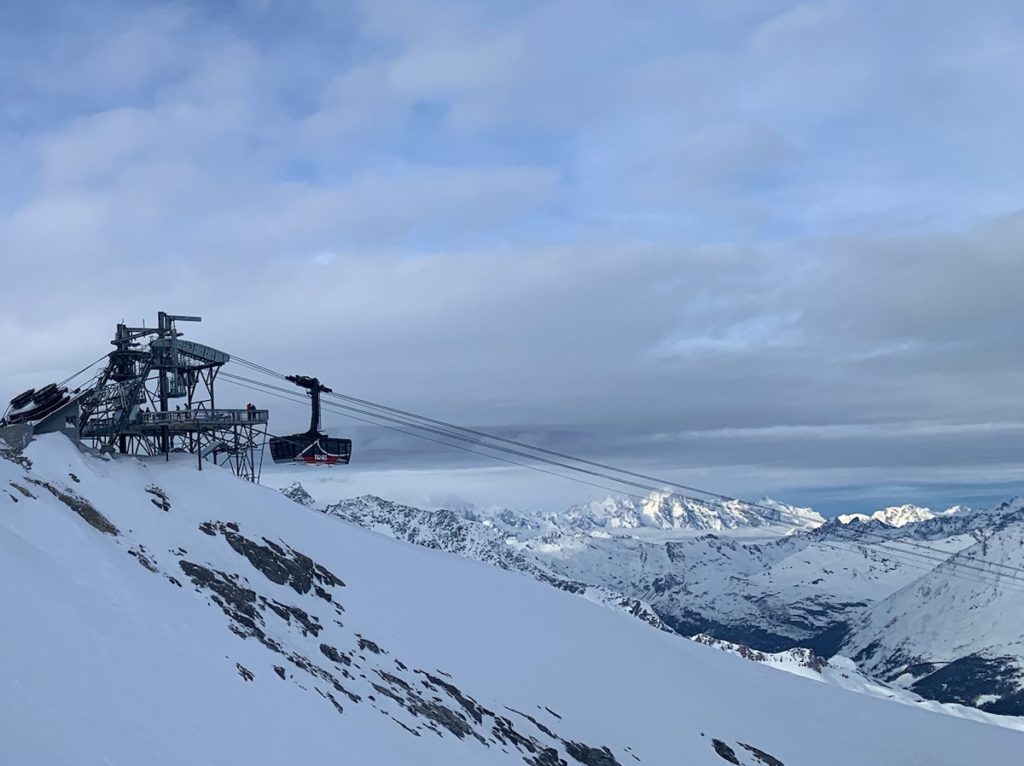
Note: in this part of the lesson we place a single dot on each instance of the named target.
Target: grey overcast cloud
(763, 247)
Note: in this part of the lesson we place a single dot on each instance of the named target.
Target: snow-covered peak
(1012, 505)
(893, 516)
(298, 493)
(954, 509)
(785, 513)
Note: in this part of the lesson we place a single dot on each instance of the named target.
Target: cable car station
(157, 396)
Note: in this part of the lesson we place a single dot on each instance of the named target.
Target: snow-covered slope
(695, 583)
(160, 615)
(843, 672)
(957, 633)
(773, 595)
(802, 590)
(448, 531)
(840, 671)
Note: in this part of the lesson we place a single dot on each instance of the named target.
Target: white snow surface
(105, 661)
(768, 591)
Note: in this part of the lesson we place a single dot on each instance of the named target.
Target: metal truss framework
(157, 396)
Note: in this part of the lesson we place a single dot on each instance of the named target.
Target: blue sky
(771, 245)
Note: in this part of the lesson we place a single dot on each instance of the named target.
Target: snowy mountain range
(863, 589)
(669, 510)
(157, 614)
(657, 511)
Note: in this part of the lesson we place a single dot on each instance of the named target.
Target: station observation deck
(180, 421)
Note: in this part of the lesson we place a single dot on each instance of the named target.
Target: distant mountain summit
(957, 517)
(662, 510)
(299, 494)
(668, 510)
(785, 513)
(894, 516)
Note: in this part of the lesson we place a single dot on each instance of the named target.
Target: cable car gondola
(313, 447)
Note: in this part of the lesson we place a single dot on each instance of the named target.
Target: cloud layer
(770, 246)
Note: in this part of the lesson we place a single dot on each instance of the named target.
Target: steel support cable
(410, 419)
(347, 411)
(448, 434)
(929, 552)
(505, 440)
(481, 435)
(486, 436)
(84, 369)
(506, 450)
(287, 396)
(954, 559)
(663, 483)
(917, 561)
(565, 456)
(1008, 569)
(934, 561)
(259, 368)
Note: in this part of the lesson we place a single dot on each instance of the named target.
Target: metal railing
(204, 417)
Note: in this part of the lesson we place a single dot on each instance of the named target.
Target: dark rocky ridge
(81, 506)
(434, 704)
